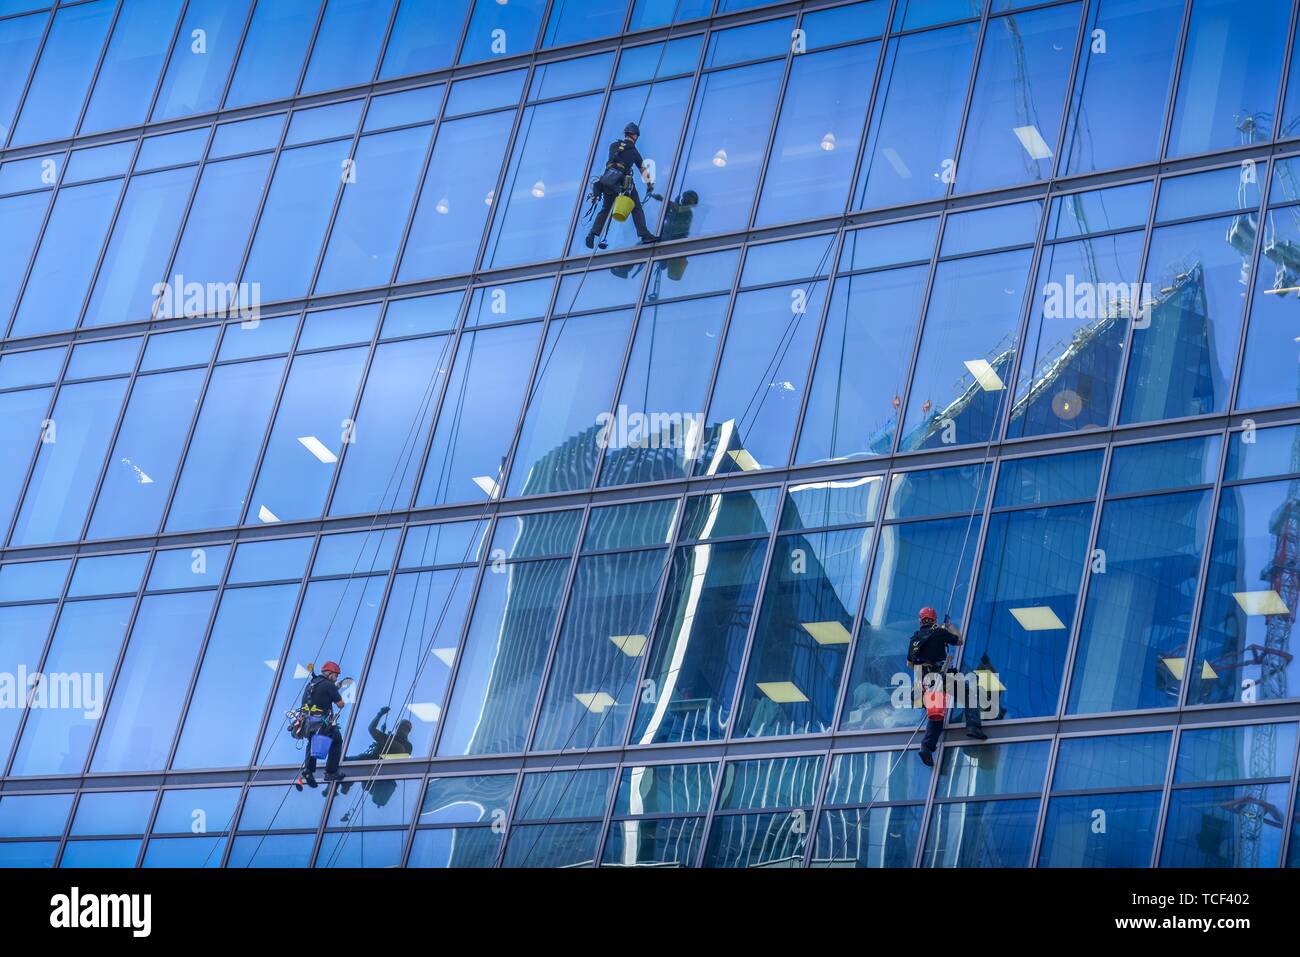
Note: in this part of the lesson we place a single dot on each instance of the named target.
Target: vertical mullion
(1166, 794)
(1041, 821)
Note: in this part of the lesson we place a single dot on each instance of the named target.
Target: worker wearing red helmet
(320, 698)
(927, 651)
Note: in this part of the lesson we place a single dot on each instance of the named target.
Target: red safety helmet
(930, 613)
(330, 666)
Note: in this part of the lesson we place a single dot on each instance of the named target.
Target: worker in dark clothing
(678, 215)
(384, 744)
(320, 698)
(617, 180)
(927, 651)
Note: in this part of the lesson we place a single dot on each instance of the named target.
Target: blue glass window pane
(1024, 607)
(108, 574)
(1042, 480)
(876, 777)
(802, 639)
(132, 65)
(730, 513)
(912, 14)
(1225, 827)
(1015, 114)
(196, 76)
(1083, 302)
(510, 302)
(58, 282)
(19, 40)
(401, 109)
(916, 562)
(144, 461)
(728, 130)
(379, 469)
(757, 840)
(457, 195)
(564, 794)
(424, 36)
(97, 854)
(324, 122)
(981, 834)
(280, 808)
(766, 263)
(270, 560)
(383, 802)
(937, 491)
(151, 689)
(421, 315)
(25, 629)
(184, 852)
(361, 848)
(218, 228)
(411, 666)
(22, 217)
(991, 228)
(247, 136)
(292, 228)
(489, 92)
(273, 52)
(657, 13)
(925, 74)
(449, 543)
(197, 567)
(565, 77)
(343, 554)
(186, 348)
(20, 581)
(138, 251)
(1133, 644)
(335, 623)
(1099, 210)
(751, 42)
(879, 837)
(21, 418)
(243, 652)
(664, 789)
(1240, 752)
(67, 469)
(817, 136)
(552, 845)
(114, 812)
(579, 20)
(655, 60)
(989, 769)
(34, 367)
(348, 44)
(1200, 194)
(455, 847)
(1268, 370)
(674, 842)
(213, 486)
(497, 29)
(266, 337)
(302, 454)
(277, 850)
(630, 526)
(1177, 463)
(535, 535)
(967, 352)
(837, 502)
(501, 665)
(564, 429)
(488, 379)
(598, 653)
(854, 21)
(695, 660)
(98, 162)
(34, 815)
(172, 148)
(1071, 837)
(84, 649)
(63, 75)
(850, 415)
(1231, 66)
(29, 854)
(467, 799)
(339, 327)
(1243, 650)
(103, 358)
(182, 810)
(539, 190)
(601, 289)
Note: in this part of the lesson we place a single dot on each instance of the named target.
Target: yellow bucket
(622, 208)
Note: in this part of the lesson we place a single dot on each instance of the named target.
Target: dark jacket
(623, 155)
(928, 647)
(321, 694)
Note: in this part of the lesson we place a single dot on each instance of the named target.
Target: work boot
(927, 758)
(649, 238)
(306, 778)
(977, 734)
(334, 775)
(590, 240)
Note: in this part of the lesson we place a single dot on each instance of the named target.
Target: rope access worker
(319, 698)
(617, 181)
(928, 650)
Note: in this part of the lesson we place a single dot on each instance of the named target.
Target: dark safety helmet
(330, 667)
(631, 130)
(927, 614)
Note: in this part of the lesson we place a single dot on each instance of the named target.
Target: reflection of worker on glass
(617, 182)
(384, 744)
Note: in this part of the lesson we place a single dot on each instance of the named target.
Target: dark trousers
(607, 204)
(335, 755)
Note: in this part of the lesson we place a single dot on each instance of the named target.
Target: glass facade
(980, 305)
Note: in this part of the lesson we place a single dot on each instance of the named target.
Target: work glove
(384, 710)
